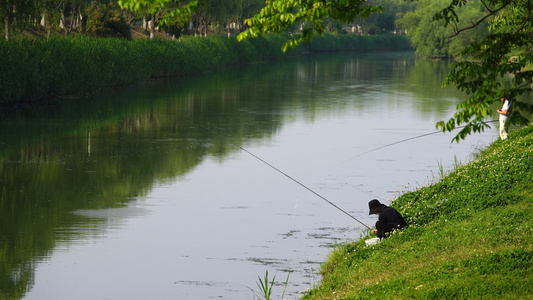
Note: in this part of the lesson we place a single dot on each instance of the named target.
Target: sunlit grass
(470, 236)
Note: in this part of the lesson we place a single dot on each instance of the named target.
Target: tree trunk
(6, 23)
(152, 27)
(63, 22)
(83, 23)
(74, 21)
(45, 21)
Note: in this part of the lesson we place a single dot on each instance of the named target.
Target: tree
(65, 14)
(430, 38)
(105, 20)
(213, 11)
(490, 56)
(503, 55)
(170, 11)
(382, 22)
(279, 15)
(505, 52)
(247, 9)
(17, 13)
(219, 14)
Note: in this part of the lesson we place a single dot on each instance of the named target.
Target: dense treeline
(45, 68)
(39, 69)
(105, 18)
(88, 45)
(431, 38)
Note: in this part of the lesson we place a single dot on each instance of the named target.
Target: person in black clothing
(389, 219)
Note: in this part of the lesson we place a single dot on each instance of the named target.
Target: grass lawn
(470, 237)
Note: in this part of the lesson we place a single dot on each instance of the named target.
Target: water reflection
(72, 168)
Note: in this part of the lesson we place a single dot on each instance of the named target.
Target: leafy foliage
(490, 57)
(107, 21)
(17, 14)
(173, 10)
(430, 39)
(501, 55)
(280, 15)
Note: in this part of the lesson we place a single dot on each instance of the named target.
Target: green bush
(106, 20)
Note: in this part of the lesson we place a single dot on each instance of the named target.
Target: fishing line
(402, 141)
(312, 191)
(290, 177)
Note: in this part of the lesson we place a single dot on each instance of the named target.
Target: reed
(41, 69)
(265, 287)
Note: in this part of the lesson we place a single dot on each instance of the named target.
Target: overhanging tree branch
(490, 13)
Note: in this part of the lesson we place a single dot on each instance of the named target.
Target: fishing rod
(402, 141)
(290, 177)
(309, 189)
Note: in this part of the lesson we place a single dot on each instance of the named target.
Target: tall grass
(39, 69)
(265, 287)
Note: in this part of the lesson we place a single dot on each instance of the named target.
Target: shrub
(105, 20)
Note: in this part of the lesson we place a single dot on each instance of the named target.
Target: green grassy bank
(42, 69)
(470, 236)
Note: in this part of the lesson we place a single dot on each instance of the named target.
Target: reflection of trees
(102, 152)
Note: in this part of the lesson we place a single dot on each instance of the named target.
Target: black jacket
(389, 220)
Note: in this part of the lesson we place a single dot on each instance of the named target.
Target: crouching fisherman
(389, 219)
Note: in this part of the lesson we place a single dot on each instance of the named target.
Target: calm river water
(149, 192)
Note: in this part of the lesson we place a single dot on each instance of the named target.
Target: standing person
(389, 219)
(504, 112)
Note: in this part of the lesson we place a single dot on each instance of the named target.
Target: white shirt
(505, 107)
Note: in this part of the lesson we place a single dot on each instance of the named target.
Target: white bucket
(372, 241)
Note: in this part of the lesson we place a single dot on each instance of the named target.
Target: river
(191, 188)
